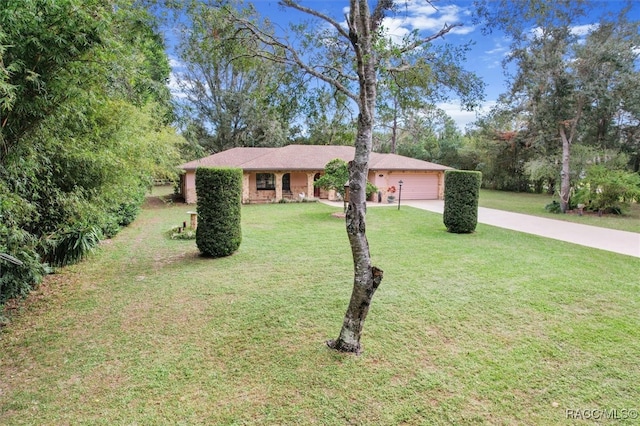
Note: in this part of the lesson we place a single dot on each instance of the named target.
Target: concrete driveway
(622, 242)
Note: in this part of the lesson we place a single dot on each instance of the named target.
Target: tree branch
(446, 29)
(290, 56)
(378, 13)
(294, 5)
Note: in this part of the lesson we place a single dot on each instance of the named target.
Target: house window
(265, 181)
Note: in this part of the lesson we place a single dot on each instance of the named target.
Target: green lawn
(534, 204)
(495, 327)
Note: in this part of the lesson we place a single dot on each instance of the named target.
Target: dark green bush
(461, 192)
(109, 226)
(219, 192)
(128, 211)
(553, 207)
(20, 265)
(70, 246)
(17, 280)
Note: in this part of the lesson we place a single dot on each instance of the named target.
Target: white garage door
(417, 186)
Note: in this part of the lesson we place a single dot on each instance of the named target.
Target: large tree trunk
(366, 278)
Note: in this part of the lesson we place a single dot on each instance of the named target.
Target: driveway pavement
(622, 242)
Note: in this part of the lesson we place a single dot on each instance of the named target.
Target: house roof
(304, 158)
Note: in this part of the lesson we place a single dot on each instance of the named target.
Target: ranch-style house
(288, 172)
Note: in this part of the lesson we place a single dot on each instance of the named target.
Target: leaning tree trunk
(565, 181)
(567, 140)
(366, 278)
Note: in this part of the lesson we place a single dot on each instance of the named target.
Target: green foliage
(608, 190)
(563, 84)
(336, 175)
(17, 279)
(219, 192)
(328, 118)
(430, 134)
(43, 41)
(126, 207)
(461, 192)
(553, 207)
(85, 109)
(255, 99)
(70, 246)
(180, 233)
(127, 212)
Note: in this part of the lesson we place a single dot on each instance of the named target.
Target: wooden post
(194, 220)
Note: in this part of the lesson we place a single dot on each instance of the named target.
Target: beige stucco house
(271, 174)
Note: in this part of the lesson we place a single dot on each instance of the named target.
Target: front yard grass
(534, 204)
(495, 327)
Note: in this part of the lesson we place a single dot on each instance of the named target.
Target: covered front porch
(274, 186)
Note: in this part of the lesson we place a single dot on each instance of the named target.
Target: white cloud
(176, 69)
(174, 87)
(421, 16)
(499, 49)
(577, 30)
(462, 117)
(582, 30)
(493, 56)
(175, 63)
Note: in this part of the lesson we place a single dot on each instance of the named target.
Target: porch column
(310, 190)
(279, 186)
(245, 188)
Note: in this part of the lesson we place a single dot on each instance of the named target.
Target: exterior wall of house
(302, 182)
(299, 185)
(189, 189)
(383, 180)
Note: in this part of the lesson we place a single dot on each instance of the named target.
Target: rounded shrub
(219, 193)
(461, 192)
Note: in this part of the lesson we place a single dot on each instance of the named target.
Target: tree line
(571, 109)
(85, 116)
(568, 122)
(571, 103)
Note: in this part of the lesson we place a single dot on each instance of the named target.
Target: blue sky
(485, 56)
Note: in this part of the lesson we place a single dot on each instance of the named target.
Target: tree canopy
(232, 95)
(569, 104)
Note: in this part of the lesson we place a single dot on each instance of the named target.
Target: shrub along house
(288, 172)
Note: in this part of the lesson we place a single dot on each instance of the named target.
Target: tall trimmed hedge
(219, 192)
(461, 192)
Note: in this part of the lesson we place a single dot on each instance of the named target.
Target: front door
(286, 182)
(316, 190)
